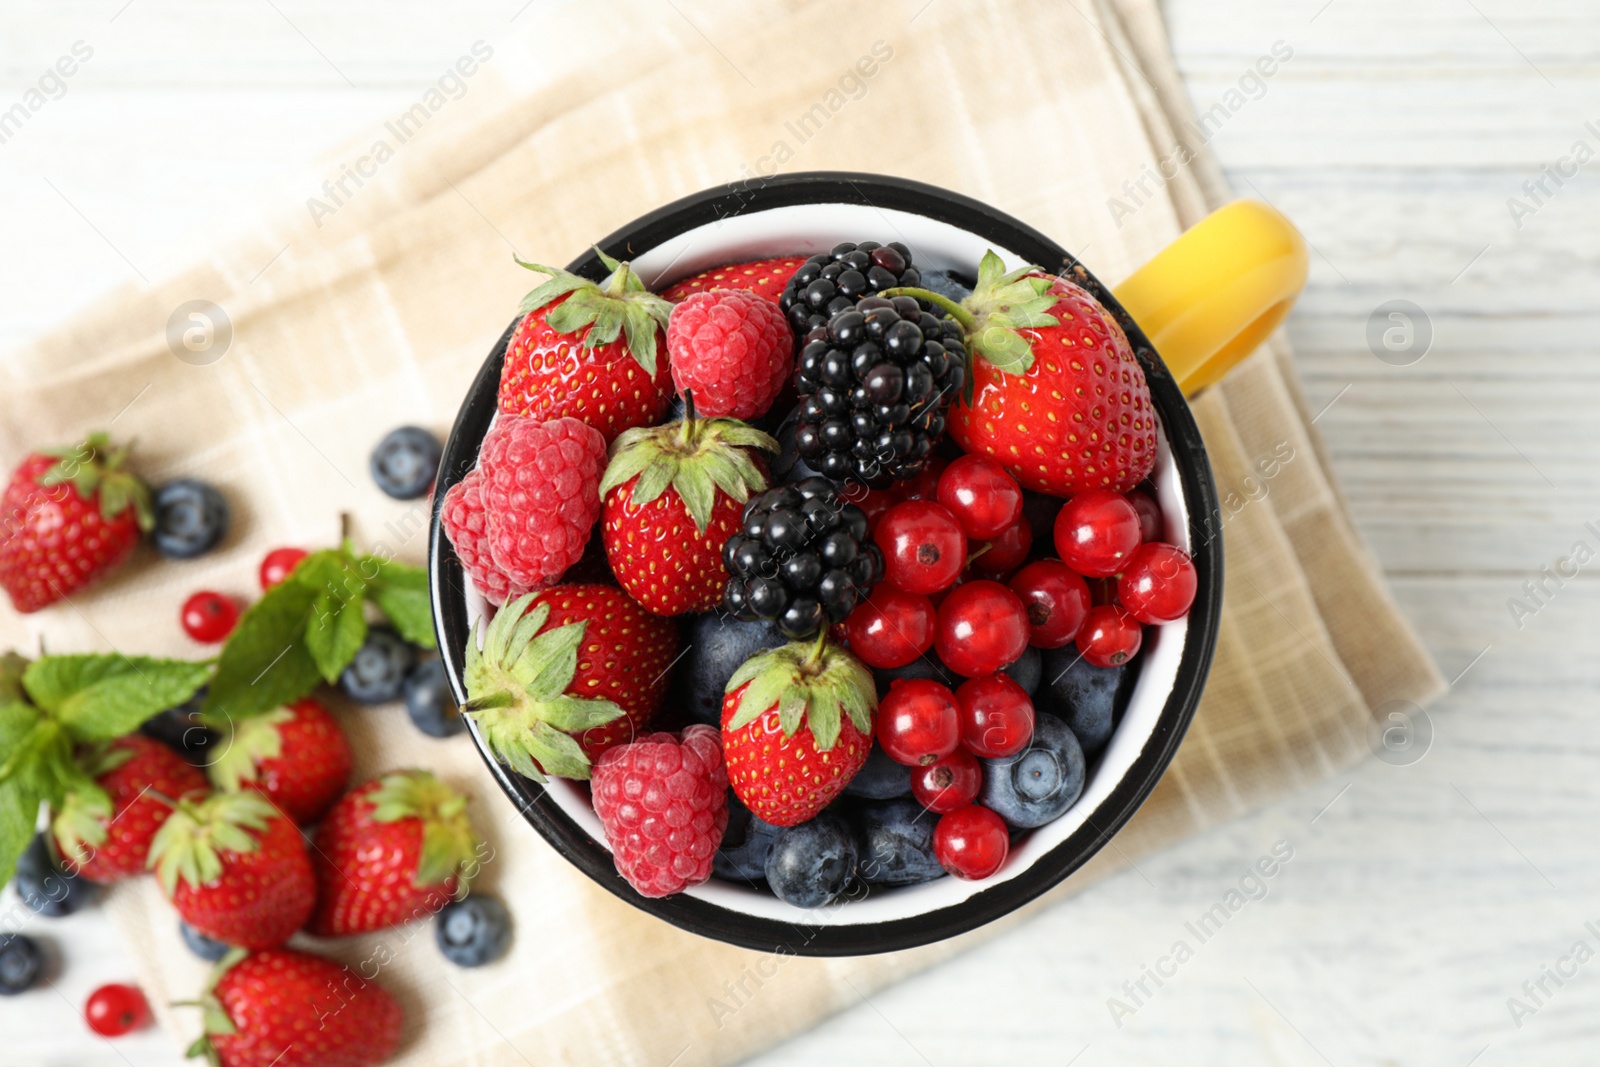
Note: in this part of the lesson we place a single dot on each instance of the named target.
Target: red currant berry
(1057, 599)
(972, 842)
(1110, 636)
(1096, 531)
(982, 627)
(1150, 519)
(1006, 552)
(875, 502)
(209, 617)
(918, 722)
(279, 562)
(114, 1010)
(925, 486)
(923, 546)
(981, 494)
(1158, 583)
(891, 628)
(996, 716)
(947, 784)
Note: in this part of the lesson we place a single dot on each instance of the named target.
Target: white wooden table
(1420, 898)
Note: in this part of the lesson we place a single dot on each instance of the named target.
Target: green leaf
(763, 693)
(560, 284)
(11, 668)
(265, 662)
(991, 268)
(576, 714)
(1007, 349)
(558, 753)
(401, 593)
(19, 812)
(654, 481)
(699, 493)
(334, 634)
(545, 668)
(98, 697)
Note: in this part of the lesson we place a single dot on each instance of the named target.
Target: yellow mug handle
(1211, 297)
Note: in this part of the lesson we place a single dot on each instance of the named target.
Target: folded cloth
(369, 291)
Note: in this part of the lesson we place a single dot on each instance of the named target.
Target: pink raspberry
(541, 490)
(731, 347)
(663, 802)
(465, 524)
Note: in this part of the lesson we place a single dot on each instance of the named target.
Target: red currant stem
(986, 546)
(950, 307)
(344, 529)
(162, 798)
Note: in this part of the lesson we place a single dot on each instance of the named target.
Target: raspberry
(541, 492)
(732, 348)
(663, 802)
(465, 524)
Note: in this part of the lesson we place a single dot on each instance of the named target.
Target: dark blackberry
(829, 282)
(803, 559)
(874, 387)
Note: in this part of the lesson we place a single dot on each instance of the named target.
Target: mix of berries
(908, 619)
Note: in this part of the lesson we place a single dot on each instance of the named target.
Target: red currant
(1150, 520)
(981, 494)
(891, 628)
(1110, 636)
(209, 617)
(114, 1010)
(982, 627)
(1057, 599)
(996, 716)
(875, 502)
(1158, 583)
(923, 546)
(972, 842)
(918, 722)
(925, 486)
(1096, 531)
(1006, 552)
(279, 562)
(949, 783)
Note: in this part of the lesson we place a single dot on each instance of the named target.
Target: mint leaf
(11, 668)
(401, 592)
(334, 633)
(19, 811)
(98, 697)
(265, 663)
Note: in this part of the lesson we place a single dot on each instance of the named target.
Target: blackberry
(829, 282)
(802, 558)
(874, 388)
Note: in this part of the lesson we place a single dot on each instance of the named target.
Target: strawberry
(764, 276)
(563, 674)
(295, 756)
(235, 868)
(589, 351)
(1055, 392)
(673, 495)
(281, 1008)
(69, 516)
(393, 849)
(105, 833)
(796, 727)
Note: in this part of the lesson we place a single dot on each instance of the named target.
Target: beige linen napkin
(372, 299)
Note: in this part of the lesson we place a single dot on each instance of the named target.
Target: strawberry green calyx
(92, 466)
(79, 827)
(449, 844)
(1001, 304)
(620, 305)
(517, 692)
(811, 683)
(188, 843)
(695, 457)
(215, 1016)
(254, 740)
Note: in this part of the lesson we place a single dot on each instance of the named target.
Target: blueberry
(429, 702)
(378, 672)
(45, 887)
(405, 462)
(880, 778)
(1036, 786)
(191, 519)
(811, 864)
(182, 730)
(21, 963)
(201, 945)
(947, 284)
(1039, 512)
(897, 843)
(746, 843)
(718, 645)
(1087, 698)
(1024, 670)
(473, 931)
(928, 665)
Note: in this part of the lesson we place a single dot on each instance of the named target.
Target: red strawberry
(1055, 393)
(796, 727)
(595, 352)
(70, 516)
(764, 276)
(673, 495)
(565, 673)
(281, 1008)
(106, 835)
(296, 756)
(392, 849)
(236, 869)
